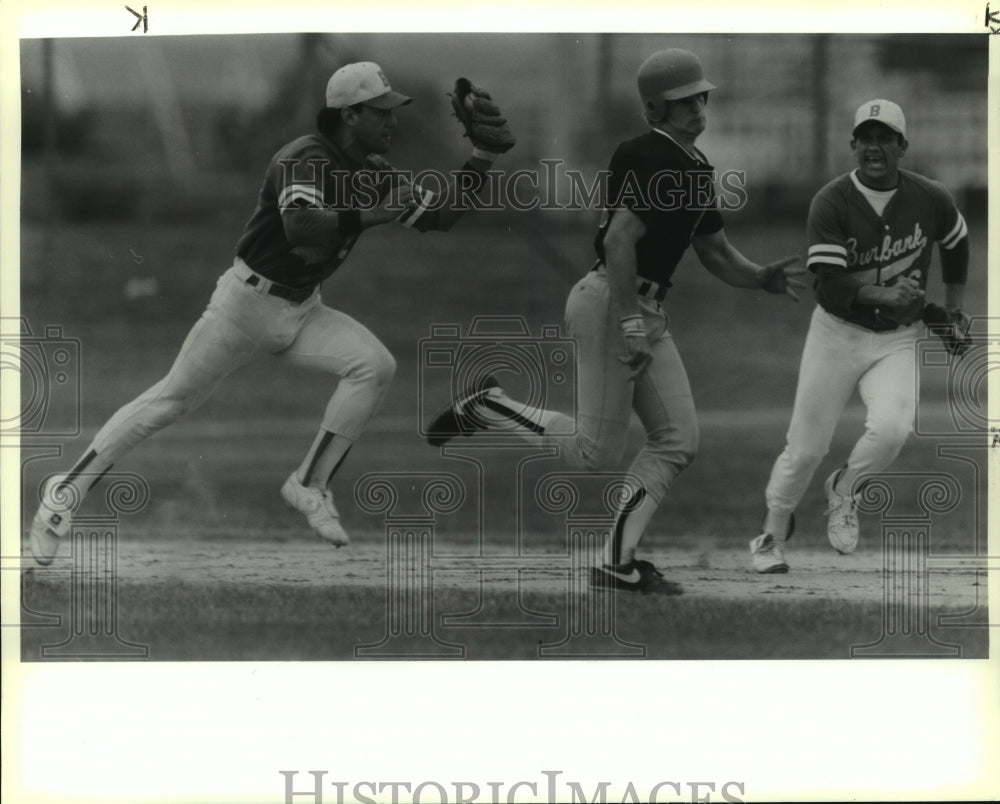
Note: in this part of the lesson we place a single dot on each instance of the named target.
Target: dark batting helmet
(669, 75)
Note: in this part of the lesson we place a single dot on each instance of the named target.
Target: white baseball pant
(661, 396)
(837, 357)
(240, 324)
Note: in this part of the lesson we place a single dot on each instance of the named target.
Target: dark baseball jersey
(292, 238)
(851, 245)
(672, 192)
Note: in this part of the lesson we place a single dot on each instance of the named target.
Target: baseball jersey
(292, 238)
(672, 192)
(851, 245)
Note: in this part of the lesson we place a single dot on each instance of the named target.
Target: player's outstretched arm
(725, 261)
(490, 135)
(308, 223)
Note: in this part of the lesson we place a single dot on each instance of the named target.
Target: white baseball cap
(881, 111)
(362, 82)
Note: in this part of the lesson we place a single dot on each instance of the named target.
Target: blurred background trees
(180, 129)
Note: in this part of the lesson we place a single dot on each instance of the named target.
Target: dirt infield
(951, 583)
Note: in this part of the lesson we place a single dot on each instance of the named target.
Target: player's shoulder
(836, 189)
(832, 195)
(918, 184)
(306, 146)
(649, 152)
(633, 147)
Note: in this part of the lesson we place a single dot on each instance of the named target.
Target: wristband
(476, 178)
(348, 222)
(632, 326)
(479, 153)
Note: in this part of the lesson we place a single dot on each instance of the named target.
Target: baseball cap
(881, 111)
(362, 82)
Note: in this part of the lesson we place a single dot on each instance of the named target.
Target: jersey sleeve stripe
(828, 248)
(959, 230)
(411, 216)
(826, 259)
(827, 253)
(300, 192)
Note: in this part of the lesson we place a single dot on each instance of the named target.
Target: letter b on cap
(875, 110)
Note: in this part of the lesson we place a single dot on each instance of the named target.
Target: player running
(320, 193)
(661, 199)
(870, 233)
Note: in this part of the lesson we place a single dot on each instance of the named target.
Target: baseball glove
(484, 125)
(952, 327)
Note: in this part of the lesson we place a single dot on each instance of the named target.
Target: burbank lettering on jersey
(312, 182)
(315, 789)
(887, 250)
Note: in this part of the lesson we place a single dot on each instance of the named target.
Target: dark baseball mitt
(484, 125)
(951, 327)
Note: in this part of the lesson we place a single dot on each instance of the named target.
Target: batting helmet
(669, 75)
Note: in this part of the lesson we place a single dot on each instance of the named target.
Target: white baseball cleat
(52, 520)
(842, 522)
(318, 508)
(767, 555)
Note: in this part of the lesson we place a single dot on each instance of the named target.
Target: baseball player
(320, 193)
(661, 199)
(870, 233)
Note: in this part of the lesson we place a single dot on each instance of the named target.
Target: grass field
(213, 567)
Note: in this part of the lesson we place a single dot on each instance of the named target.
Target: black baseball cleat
(635, 576)
(458, 418)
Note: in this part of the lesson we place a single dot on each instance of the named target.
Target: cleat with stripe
(633, 576)
(459, 418)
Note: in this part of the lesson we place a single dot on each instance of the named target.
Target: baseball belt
(646, 288)
(266, 287)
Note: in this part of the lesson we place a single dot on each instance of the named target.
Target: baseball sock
(526, 419)
(85, 473)
(776, 523)
(324, 458)
(630, 524)
(843, 483)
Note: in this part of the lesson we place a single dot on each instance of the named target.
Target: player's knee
(677, 445)
(683, 456)
(385, 367)
(805, 459)
(378, 367)
(598, 456)
(891, 430)
(166, 410)
(690, 443)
